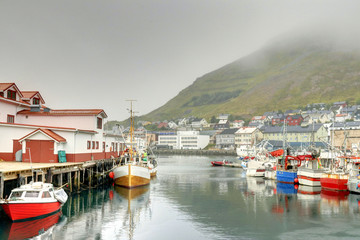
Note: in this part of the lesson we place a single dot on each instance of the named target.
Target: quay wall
(195, 152)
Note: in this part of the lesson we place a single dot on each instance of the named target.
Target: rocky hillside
(285, 74)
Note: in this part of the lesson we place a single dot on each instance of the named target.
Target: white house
(31, 131)
(187, 139)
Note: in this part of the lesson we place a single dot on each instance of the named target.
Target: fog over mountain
(97, 54)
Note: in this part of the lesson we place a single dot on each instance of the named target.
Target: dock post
(60, 179)
(2, 186)
(90, 173)
(77, 180)
(69, 181)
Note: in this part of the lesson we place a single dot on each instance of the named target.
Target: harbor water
(190, 199)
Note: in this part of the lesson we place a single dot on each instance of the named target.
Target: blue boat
(287, 173)
(287, 176)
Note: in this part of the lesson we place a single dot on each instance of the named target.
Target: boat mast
(131, 128)
(284, 143)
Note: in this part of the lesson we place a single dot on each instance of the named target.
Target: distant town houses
(314, 124)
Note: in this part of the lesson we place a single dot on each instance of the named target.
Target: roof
(66, 112)
(223, 121)
(229, 131)
(56, 137)
(246, 130)
(30, 94)
(5, 86)
(258, 118)
(292, 129)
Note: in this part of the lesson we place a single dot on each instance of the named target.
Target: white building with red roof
(29, 131)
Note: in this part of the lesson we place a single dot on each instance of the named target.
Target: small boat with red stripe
(310, 172)
(33, 200)
(222, 163)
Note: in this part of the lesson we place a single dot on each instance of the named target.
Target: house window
(1, 94)
(36, 101)
(97, 145)
(112, 147)
(103, 146)
(11, 95)
(93, 144)
(88, 144)
(99, 123)
(10, 118)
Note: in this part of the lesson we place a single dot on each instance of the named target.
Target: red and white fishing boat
(310, 172)
(33, 200)
(337, 177)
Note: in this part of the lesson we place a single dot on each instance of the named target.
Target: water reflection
(192, 200)
(138, 200)
(43, 227)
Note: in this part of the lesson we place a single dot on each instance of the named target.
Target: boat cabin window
(32, 194)
(46, 194)
(16, 194)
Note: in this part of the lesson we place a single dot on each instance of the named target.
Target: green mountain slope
(281, 76)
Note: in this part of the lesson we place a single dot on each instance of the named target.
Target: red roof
(47, 132)
(5, 86)
(66, 112)
(30, 94)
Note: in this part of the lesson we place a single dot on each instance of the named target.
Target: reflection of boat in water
(284, 188)
(309, 190)
(138, 200)
(33, 200)
(29, 229)
(334, 195)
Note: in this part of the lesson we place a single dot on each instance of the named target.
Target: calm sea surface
(189, 199)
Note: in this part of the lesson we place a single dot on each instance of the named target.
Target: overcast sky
(99, 53)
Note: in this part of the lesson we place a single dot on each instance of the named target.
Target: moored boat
(288, 173)
(310, 172)
(134, 169)
(354, 176)
(132, 175)
(255, 168)
(337, 177)
(334, 181)
(220, 163)
(33, 200)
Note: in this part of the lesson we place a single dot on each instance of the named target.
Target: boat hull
(336, 182)
(354, 185)
(286, 176)
(255, 172)
(217, 164)
(309, 177)
(131, 176)
(29, 211)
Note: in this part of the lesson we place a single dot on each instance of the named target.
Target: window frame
(11, 95)
(10, 118)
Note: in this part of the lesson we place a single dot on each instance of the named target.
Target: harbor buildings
(186, 139)
(31, 131)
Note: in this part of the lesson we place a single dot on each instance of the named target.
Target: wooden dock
(74, 175)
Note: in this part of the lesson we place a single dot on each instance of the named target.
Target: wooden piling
(1, 186)
(90, 174)
(69, 181)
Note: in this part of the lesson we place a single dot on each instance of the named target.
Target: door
(40, 151)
